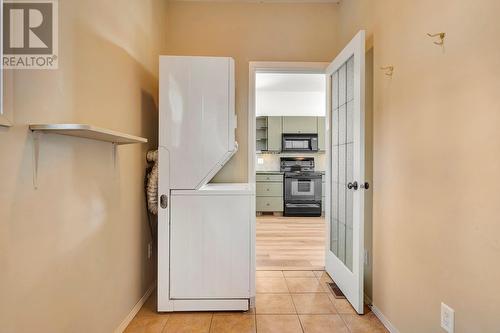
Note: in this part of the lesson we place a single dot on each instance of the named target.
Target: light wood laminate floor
(290, 243)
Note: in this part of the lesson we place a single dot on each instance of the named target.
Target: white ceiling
(287, 94)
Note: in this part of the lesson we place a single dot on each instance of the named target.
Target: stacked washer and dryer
(205, 230)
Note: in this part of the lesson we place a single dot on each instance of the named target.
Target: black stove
(301, 187)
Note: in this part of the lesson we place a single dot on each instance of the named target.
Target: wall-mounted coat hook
(441, 36)
(389, 70)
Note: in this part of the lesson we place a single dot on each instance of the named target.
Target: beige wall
(436, 160)
(251, 32)
(73, 252)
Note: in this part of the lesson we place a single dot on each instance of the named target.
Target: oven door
(302, 188)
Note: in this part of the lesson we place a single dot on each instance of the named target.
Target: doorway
(288, 129)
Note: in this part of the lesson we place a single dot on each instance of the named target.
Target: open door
(345, 177)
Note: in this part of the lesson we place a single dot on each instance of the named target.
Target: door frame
(266, 67)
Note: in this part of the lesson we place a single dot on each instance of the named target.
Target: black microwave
(299, 142)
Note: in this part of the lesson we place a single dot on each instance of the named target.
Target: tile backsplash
(271, 162)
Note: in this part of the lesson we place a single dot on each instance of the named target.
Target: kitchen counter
(278, 172)
(269, 172)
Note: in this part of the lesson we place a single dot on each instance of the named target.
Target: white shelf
(89, 132)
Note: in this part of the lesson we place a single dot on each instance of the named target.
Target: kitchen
(290, 171)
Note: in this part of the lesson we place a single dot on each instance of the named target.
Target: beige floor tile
(298, 273)
(147, 324)
(304, 285)
(325, 278)
(325, 285)
(332, 323)
(343, 306)
(268, 274)
(318, 274)
(313, 303)
(251, 311)
(271, 285)
(274, 304)
(193, 322)
(278, 324)
(233, 324)
(367, 323)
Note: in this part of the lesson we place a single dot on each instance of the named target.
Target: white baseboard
(390, 327)
(135, 309)
(367, 300)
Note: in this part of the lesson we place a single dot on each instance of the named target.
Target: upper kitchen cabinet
(269, 131)
(321, 133)
(261, 133)
(274, 131)
(300, 125)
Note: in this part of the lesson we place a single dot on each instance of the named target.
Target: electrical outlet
(367, 258)
(150, 250)
(447, 318)
(260, 161)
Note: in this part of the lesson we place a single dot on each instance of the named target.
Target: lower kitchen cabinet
(266, 189)
(269, 204)
(269, 192)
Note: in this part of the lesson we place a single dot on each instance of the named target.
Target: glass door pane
(341, 222)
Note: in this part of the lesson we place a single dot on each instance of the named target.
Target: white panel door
(210, 246)
(345, 177)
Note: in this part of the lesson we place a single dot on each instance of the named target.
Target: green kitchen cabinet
(269, 192)
(300, 125)
(269, 204)
(268, 177)
(261, 134)
(268, 189)
(321, 133)
(274, 131)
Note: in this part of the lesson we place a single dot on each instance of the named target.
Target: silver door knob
(352, 186)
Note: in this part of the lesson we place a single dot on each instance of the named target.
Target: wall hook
(389, 70)
(441, 36)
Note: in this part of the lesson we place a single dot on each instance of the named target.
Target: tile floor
(286, 302)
